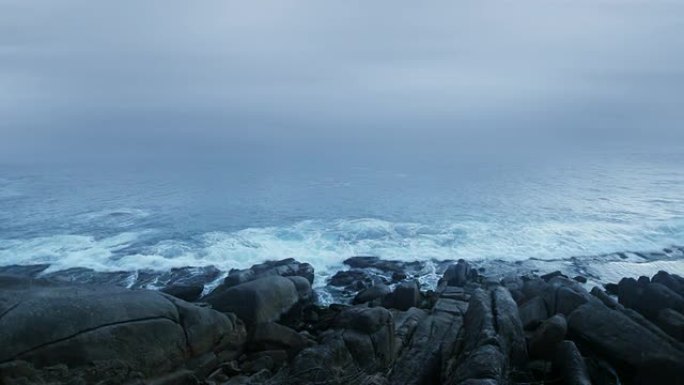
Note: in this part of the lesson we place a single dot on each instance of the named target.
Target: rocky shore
(264, 325)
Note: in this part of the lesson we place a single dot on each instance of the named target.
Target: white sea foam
(326, 244)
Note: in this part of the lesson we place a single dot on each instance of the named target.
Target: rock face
(264, 329)
(145, 331)
(262, 300)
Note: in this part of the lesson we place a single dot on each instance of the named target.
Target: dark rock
(535, 287)
(547, 337)
(377, 292)
(284, 268)
(569, 363)
(643, 281)
(272, 336)
(27, 271)
(405, 296)
(618, 338)
(47, 323)
(186, 293)
(611, 288)
(672, 323)
(549, 276)
(427, 342)
(387, 266)
(509, 327)
(533, 312)
(672, 281)
(259, 301)
(457, 274)
(580, 279)
(601, 372)
(567, 300)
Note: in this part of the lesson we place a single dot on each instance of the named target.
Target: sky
(158, 77)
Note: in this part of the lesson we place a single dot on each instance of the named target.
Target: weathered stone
(569, 363)
(272, 336)
(533, 312)
(457, 274)
(547, 337)
(284, 268)
(259, 301)
(405, 296)
(671, 322)
(376, 292)
(618, 338)
(184, 292)
(47, 323)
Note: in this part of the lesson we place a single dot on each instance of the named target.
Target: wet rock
(377, 292)
(387, 266)
(618, 338)
(259, 301)
(569, 363)
(457, 274)
(672, 323)
(611, 288)
(284, 268)
(533, 312)
(548, 335)
(549, 276)
(272, 336)
(509, 327)
(47, 323)
(405, 296)
(672, 281)
(184, 292)
(580, 279)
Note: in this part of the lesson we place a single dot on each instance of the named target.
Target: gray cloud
(84, 76)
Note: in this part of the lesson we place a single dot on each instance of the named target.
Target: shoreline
(264, 325)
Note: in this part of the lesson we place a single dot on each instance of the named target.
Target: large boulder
(45, 323)
(547, 337)
(620, 339)
(568, 362)
(262, 300)
(284, 268)
(405, 296)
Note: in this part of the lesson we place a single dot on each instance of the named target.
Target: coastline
(266, 325)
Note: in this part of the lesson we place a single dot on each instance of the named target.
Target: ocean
(233, 214)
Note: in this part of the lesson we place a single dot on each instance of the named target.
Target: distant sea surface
(233, 214)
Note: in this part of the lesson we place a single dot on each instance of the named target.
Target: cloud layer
(78, 76)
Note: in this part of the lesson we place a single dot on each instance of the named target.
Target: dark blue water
(233, 214)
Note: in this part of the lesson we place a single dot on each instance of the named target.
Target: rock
(533, 312)
(47, 323)
(184, 292)
(457, 274)
(405, 296)
(672, 281)
(354, 279)
(259, 301)
(672, 323)
(618, 338)
(284, 268)
(567, 300)
(611, 288)
(360, 345)
(569, 363)
(509, 327)
(535, 287)
(427, 342)
(484, 358)
(580, 279)
(549, 276)
(547, 337)
(377, 292)
(387, 266)
(272, 336)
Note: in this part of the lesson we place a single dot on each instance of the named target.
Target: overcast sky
(91, 77)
